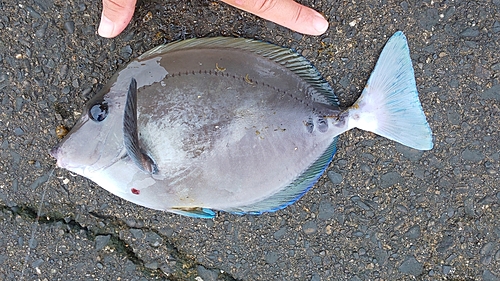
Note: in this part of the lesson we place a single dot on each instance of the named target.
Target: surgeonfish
(231, 124)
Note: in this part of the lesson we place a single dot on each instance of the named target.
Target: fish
(231, 124)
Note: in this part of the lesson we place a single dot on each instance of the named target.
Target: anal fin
(200, 213)
(294, 191)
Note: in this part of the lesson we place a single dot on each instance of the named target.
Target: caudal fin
(389, 105)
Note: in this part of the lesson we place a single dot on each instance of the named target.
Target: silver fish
(231, 124)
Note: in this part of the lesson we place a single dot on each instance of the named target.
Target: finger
(287, 13)
(116, 14)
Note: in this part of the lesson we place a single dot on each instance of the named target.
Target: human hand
(117, 14)
(287, 13)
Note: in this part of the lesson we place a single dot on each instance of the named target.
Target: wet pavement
(381, 212)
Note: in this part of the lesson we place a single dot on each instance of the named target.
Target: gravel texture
(381, 212)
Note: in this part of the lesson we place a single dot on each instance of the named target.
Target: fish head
(96, 140)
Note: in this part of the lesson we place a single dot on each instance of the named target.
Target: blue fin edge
(200, 213)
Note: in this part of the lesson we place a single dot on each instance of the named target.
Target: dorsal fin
(283, 56)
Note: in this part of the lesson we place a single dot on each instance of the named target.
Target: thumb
(116, 14)
(287, 13)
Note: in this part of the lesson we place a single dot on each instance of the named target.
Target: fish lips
(54, 151)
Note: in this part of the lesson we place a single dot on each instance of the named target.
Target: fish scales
(229, 124)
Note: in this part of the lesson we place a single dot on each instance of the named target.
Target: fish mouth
(54, 151)
(78, 156)
(87, 169)
(57, 152)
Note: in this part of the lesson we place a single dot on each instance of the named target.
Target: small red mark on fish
(135, 191)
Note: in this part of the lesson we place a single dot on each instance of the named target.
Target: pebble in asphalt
(381, 212)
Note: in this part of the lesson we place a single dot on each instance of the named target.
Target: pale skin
(117, 14)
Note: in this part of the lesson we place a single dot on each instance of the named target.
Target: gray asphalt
(381, 212)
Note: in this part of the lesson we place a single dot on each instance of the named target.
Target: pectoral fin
(131, 135)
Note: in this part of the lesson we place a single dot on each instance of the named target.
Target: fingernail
(106, 27)
(320, 24)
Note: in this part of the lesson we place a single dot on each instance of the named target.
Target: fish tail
(389, 105)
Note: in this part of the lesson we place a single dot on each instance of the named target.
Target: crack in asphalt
(185, 267)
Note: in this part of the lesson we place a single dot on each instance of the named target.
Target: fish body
(231, 124)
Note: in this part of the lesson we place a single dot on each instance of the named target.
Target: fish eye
(99, 111)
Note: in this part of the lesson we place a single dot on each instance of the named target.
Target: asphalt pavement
(381, 212)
